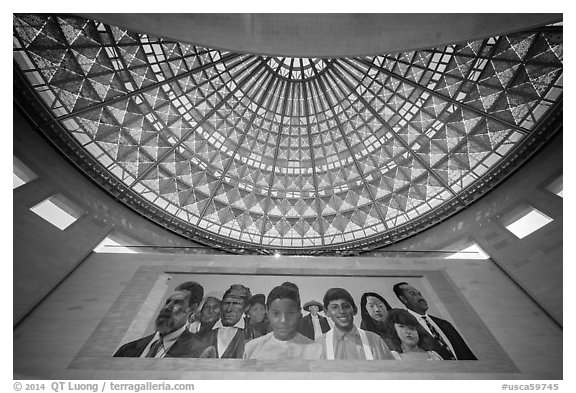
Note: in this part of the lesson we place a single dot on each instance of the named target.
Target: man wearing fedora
(313, 324)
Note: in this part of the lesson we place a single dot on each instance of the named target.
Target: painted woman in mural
(410, 340)
(374, 312)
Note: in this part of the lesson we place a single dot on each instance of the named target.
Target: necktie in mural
(438, 337)
(154, 348)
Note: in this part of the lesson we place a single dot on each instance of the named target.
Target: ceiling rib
(339, 66)
(198, 124)
(144, 102)
(241, 140)
(398, 138)
(277, 147)
(436, 94)
(358, 168)
(147, 88)
(312, 156)
(548, 29)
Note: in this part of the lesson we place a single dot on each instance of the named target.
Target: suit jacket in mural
(188, 345)
(235, 349)
(307, 326)
(461, 349)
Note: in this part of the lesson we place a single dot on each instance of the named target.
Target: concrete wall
(534, 262)
(325, 35)
(52, 342)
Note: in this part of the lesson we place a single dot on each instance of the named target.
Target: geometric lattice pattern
(279, 152)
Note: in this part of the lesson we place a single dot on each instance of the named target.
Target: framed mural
(134, 318)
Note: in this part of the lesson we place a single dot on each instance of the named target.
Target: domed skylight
(257, 152)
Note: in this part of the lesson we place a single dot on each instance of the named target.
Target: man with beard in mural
(171, 338)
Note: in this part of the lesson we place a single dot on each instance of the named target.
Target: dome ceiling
(275, 153)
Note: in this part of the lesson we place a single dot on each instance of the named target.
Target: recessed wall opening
(21, 174)
(58, 211)
(468, 250)
(527, 222)
(557, 187)
(118, 243)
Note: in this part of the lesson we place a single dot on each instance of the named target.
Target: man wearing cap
(171, 338)
(314, 325)
(228, 334)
